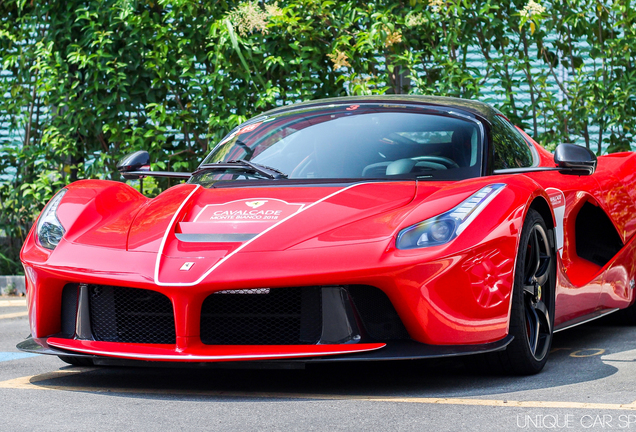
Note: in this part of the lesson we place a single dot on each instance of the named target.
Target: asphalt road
(588, 384)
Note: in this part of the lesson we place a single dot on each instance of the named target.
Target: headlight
(50, 230)
(445, 227)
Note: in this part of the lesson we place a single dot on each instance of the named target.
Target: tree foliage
(86, 82)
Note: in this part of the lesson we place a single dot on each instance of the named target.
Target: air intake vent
(378, 315)
(131, 315)
(278, 316)
(69, 310)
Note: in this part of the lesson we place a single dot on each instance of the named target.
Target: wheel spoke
(543, 316)
(537, 251)
(533, 327)
(544, 272)
(529, 267)
(530, 289)
(537, 332)
(544, 260)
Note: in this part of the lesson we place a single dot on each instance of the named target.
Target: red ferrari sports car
(346, 229)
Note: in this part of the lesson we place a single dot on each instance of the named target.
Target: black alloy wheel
(537, 268)
(532, 313)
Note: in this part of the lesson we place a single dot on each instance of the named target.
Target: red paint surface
(207, 353)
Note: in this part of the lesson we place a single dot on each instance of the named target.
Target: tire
(76, 361)
(532, 313)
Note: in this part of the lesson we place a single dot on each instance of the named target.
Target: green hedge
(88, 81)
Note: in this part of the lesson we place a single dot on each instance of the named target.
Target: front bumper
(159, 355)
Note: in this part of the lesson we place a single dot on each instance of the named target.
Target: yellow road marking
(584, 352)
(13, 303)
(13, 315)
(28, 382)
(35, 382)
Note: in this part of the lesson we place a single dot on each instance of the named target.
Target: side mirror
(574, 159)
(137, 161)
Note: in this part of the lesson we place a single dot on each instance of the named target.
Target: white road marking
(13, 315)
(12, 302)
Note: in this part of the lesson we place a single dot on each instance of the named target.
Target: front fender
(94, 212)
(461, 292)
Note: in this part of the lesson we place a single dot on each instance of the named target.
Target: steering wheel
(447, 162)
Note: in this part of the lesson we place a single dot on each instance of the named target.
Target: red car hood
(198, 228)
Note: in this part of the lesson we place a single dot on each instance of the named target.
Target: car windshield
(366, 141)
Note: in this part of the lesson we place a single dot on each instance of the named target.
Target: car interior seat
(461, 144)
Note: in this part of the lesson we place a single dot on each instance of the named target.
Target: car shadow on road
(576, 357)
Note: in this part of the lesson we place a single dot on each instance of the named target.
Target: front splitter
(151, 353)
(196, 353)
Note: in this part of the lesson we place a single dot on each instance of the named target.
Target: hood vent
(214, 238)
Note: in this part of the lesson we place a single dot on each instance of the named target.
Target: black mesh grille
(131, 315)
(280, 316)
(379, 318)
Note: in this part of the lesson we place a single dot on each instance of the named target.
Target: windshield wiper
(269, 172)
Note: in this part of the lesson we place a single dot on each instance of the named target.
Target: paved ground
(588, 384)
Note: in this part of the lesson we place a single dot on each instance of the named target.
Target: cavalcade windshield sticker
(248, 210)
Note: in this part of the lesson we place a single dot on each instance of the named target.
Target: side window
(511, 150)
